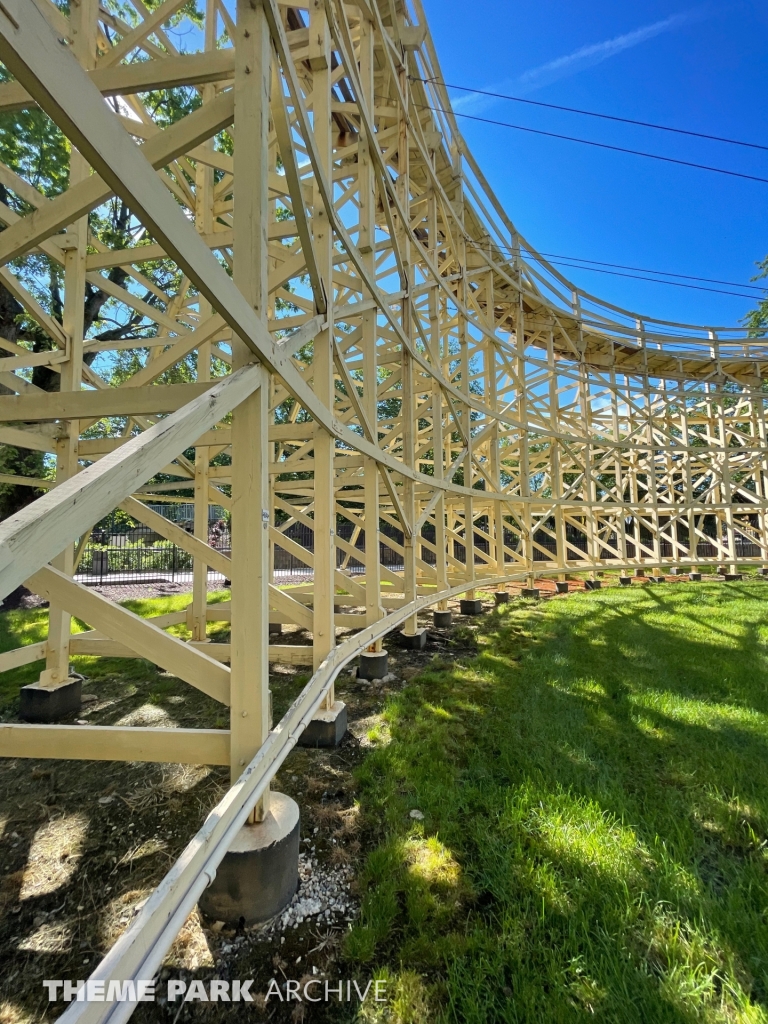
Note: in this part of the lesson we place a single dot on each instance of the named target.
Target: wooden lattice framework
(399, 355)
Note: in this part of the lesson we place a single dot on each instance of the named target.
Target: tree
(33, 147)
(757, 319)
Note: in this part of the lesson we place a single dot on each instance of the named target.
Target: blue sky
(703, 67)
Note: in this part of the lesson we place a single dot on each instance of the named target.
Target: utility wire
(599, 145)
(558, 260)
(592, 113)
(760, 289)
(655, 280)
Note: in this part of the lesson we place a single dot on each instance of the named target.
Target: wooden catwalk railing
(365, 338)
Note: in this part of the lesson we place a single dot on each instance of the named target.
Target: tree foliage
(757, 319)
(35, 150)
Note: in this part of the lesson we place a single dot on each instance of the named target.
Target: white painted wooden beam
(141, 635)
(34, 535)
(115, 743)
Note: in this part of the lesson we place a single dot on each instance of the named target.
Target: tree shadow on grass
(594, 786)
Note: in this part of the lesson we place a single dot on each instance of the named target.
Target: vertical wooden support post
(204, 224)
(438, 433)
(272, 450)
(726, 483)
(618, 469)
(408, 419)
(496, 513)
(523, 481)
(444, 330)
(84, 27)
(367, 245)
(555, 470)
(249, 712)
(526, 518)
(671, 468)
(760, 441)
(688, 476)
(588, 491)
(452, 516)
(466, 413)
(324, 632)
(715, 464)
(408, 426)
(200, 569)
(652, 487)
(630, 461)
(664, 484)
(669, 494)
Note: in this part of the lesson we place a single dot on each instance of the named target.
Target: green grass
(22, 627)
(594, 785)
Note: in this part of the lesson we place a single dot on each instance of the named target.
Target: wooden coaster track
(334, 321)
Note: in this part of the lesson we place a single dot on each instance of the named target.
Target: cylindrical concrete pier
(260, 872)
(372, 665)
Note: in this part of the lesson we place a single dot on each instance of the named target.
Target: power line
(599, 145)
(654, 280)
(760, 289)
(558, 260)
(593, 113)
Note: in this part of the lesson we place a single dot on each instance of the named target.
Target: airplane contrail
(585, 57)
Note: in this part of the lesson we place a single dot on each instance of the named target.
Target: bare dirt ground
(84, 843)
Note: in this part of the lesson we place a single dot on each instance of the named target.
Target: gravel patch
(324, 896)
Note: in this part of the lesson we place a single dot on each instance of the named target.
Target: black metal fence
(120, 550)
(287, 562)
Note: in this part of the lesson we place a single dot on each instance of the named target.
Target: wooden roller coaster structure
(375, 343)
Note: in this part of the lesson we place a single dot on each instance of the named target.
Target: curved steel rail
(396, 360)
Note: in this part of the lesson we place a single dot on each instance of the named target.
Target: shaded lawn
(29, 626)
(134, 680)
(595, 801)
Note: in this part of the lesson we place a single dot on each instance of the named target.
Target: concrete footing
(414, 641)
(442, 619)
(625, 581)
(372, 665)
(38, 704)
(659, 579)
(275, 628)
(733, 577)
(531, 592)
(764, 572)
(260, 873)
(501, 597)
(695, 577)
(470, 606)
(592, 584)
(561, 586)
(327, 728)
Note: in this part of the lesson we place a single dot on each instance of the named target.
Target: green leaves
(757, 319)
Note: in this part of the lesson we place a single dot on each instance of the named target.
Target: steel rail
(139, 952)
